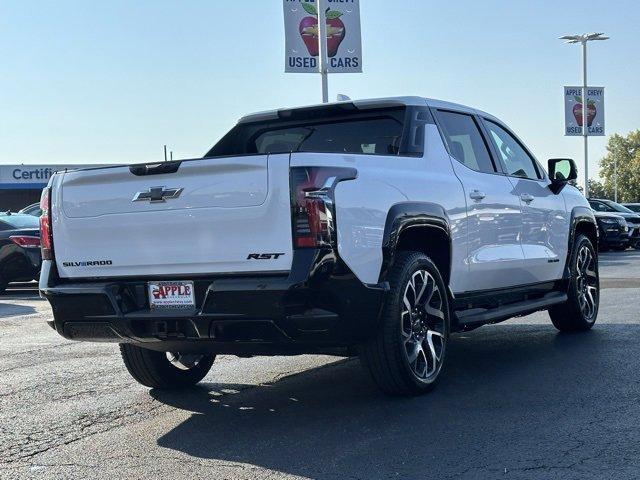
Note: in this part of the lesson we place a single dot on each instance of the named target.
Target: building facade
(21, 185)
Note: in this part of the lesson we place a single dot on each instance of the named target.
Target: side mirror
(561, 171)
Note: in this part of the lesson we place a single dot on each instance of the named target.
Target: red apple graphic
(309, 34)
(309, 30)
(591, 111)
(335, 35)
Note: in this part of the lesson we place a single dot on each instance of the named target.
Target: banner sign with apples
(573, 111)
(344, 44)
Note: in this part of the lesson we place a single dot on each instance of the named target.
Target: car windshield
(618, 208)
(21, 221)
(633, 208)
(30, 209)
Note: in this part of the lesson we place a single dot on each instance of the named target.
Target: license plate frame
(171, 295)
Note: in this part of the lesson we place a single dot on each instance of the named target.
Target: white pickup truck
(373, 227)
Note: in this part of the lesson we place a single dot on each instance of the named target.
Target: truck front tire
(580, 311)
(407, 353)
(165, 370)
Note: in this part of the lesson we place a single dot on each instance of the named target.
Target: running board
(477, 316)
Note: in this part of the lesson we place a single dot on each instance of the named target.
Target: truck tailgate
(208, 216)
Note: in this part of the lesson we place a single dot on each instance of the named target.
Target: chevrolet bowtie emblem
(157, 194)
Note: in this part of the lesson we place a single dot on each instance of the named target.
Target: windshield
(21, 221)
(618, 208)
(33, 209)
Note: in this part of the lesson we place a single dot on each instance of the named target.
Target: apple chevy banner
(573, 121)
(344, 43)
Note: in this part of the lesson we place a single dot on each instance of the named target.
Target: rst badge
(264, 256)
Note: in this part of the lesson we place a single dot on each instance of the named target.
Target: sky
(111, 82)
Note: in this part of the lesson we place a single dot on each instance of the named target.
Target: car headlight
(609, 221)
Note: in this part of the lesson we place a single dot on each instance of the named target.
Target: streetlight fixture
(583, 39)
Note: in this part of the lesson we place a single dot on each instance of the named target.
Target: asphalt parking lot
(517, 400)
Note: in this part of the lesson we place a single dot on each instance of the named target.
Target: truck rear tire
(407, 353)
(580, 311)
(165, 370)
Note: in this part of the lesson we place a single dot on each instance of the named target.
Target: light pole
(322, 49)
(615, 179)
(583, 39)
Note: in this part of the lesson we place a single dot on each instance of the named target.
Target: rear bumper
(318, 306)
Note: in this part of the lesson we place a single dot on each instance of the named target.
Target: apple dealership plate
(178, 294)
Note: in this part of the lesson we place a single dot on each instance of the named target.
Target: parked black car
(632, 218)
(20, 257)
(613, 232)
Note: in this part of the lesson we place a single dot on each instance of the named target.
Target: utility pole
(615, 179)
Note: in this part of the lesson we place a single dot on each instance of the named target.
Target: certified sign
(31, 176)
(344, 44)
(573, 121)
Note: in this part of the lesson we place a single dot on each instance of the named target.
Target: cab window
(514, 158)
(371, 132)
(465, 141)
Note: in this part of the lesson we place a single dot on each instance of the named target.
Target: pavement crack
(85, 426)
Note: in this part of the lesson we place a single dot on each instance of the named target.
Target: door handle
(477, 195)
(526, 198)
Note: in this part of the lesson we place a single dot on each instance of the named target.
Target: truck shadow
(508, 391)
(12, 310)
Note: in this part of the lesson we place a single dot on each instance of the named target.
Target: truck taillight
(46, 239)
(312, 204)
(26, 241)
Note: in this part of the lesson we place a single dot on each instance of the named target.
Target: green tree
(626, 151)
(598, 190)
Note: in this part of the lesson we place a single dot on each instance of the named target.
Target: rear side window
(465, 141)
(377, 132)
